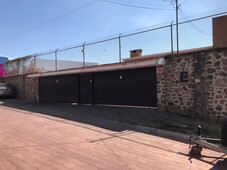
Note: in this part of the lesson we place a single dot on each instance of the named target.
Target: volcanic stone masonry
(24, 87)
(202, 91)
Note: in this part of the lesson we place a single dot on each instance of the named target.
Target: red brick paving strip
(30, 141)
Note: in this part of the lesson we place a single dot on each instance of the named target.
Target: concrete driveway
(30, 140)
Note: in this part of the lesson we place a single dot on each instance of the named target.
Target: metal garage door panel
(59, 89)
(136, 87)
(85, 89)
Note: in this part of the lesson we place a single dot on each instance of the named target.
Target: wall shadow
(112, 118)
(220, 165)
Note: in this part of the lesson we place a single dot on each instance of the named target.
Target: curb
(153, 131)
(145, 129)
(163, 133)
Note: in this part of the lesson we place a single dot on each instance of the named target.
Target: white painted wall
(49, 65)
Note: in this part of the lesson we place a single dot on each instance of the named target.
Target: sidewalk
(147, 117)
(30, 140)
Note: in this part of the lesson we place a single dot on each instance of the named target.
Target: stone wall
(17, 83)
(179, 96)
(24, 87)
(160, 87)
(31, 88)
(204, 93)
(217, 83)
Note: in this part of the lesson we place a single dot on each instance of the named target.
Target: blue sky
(30, 26)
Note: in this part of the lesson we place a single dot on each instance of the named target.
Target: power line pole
(177, 7)
(175, 2)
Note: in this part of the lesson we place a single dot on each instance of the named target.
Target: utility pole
(176, 2)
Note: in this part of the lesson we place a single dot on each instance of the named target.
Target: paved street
(29, 140)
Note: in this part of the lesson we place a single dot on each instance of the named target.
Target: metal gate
(133, 87)
(59, 89)
(136, 87)
(85, 89)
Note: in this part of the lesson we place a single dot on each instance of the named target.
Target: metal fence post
(120, 47)
(56, 59)
(83, 54)
(34, 64)
(171, 29)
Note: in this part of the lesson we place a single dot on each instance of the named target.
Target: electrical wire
(183, 2)
(127, 35)
(45, 23)
(172, 2)
(135, 6)
(192, 24)
(141, 3)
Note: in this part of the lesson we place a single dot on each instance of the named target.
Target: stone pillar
(31, 88)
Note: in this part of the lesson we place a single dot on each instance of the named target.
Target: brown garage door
(59, 89)
(136, 87)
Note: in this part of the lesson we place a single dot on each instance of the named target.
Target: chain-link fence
(193, 33)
